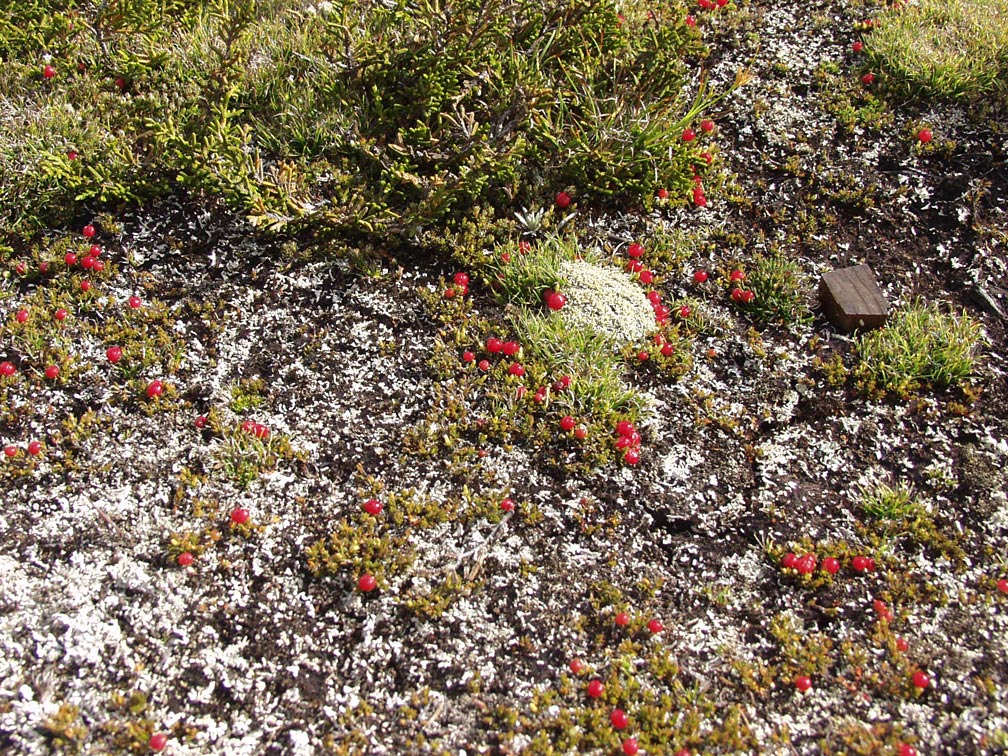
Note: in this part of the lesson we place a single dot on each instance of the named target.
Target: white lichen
(606, 300)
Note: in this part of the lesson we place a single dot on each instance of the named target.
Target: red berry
(21, 316)
(10, 450)
(596, 689)
(622, 619)
(134, 302)
(924, 135)
(631, 456)
(699, 198)
(20, 268)
(619, 719)
(860, 563)
(803, 683)
(85, 285)
(663, 194)
(88, 231)
(576, 666)
(373, 507)
(789, 560)
(70, 259)
(95, 250)
(655, 626)
(508, 505)
(646, 277)
(88, 262)
(700, 276)
(634, 266)
(905, 749)
(511, 348)
(484, 365)
(882, 610)
(707, 126)
(690, 22)
(868, 79)
(158, 741)
(831, 565)
(630, 747)
(449, 293)
(468, 356)
(902, 645)
(7, 369)
(34, 448)
(524, 247)
(858, 46)
(114, 354)
(806, 564)
(48, 72)
(635, 251)
(625, 428)
(200, 422)
(561, 383)
(516, 369)
(563, 200)
(567, 423)
(555, 300)
(120, 83)
(1002, 585)
(494, 345)
(581, 432)
(460, 278)
(684, 312)
(920, 679)
(736, 275)
(185, 559)
(155, 388)
(60, 314)
(667, 350)
(688, 135)
(240, 516)
(746, 296)
(72, 155)
(52, 372)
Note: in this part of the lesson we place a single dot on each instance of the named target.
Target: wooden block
(852, 300)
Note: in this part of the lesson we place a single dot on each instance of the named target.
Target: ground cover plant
(448, 377)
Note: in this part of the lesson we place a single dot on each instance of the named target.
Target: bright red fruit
(460, 278)
(1002, 585)
(35, 448)
(48, 72)
(7, 369)
(88, 231)
(157, 741)
(831, 565)
(630, 747)
(655, 626)
(20, 268)
(85, 285)
(10, 451)
(114, 354)
(700, 276)
(185, 559)
(596, 689)
(155, 388)
(905, 749)
(619, 719)
(667, 350)
(511, 348)
(789, 560)
(516, 369)
(646, 276)
(555, 300)
(663, 194)
(134, 302)
(622, 619)
(373, 507)
(699, 198)
(52, 372)
(567, 423)
(860, 563)
(581, 432)
(120, 83)
(684, 312)
(494, 345)
(21, 316)
(920, 679)
(449, 293)
(882, 610)
(625, 428)
(635, 251)
(806, 564)
(563, 200)
(484, 365)
(803, 683)
(576, 666)
(240, 516)
(631, 456)
(868, 79)
(902, 645)
(707, 126)
(925, 136)
(634, 266)
(736, 275)
(688, 135)
(690, 22)
(508, 505)
(468, 356)
(60, 314)
(858, 46)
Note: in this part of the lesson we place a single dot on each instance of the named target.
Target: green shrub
(357, 117)
(781, 291)
(921, 346)
(945, 48)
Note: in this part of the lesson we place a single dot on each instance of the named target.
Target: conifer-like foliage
(356, 117)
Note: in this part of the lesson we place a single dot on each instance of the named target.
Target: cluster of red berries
(806, 564)
(461, 286)
(634, 265)
(34, 448)
(554, 299)
(712, 4)
(258, 430)
(628, 441)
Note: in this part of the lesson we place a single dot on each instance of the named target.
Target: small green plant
(64, 730)
(885, 502)
(920, 347)
(780, 291)
(944, 48)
